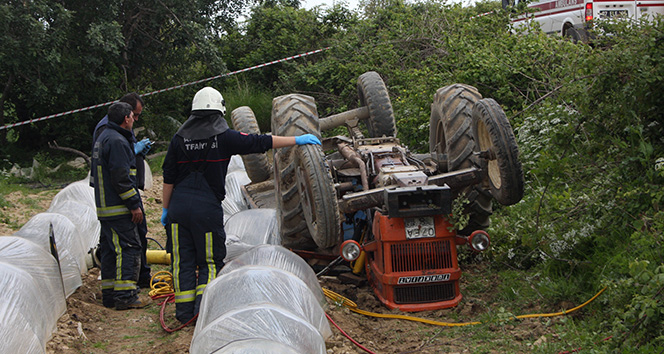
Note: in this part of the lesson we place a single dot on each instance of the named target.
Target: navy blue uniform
(144, 274)
(116, 193)
(197, 169)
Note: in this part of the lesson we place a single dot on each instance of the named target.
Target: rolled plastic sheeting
(84, 218)
(235, 247)
(148, 177)
(256, 346)
(234, 201)
(70, 248)
(79, 191)
(256, 285)
(43, 268)
(255, 226)
(22, 328)
(266, 321)
(236, 164)
(279, 257)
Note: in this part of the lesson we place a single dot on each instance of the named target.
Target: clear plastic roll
(43, 268)
(267, 321)
(22, 328)
(279, 257)
(234, 201)
(79, 191)
(84, 218)
(71, 251)
(256, 346)
(148, 177)
(255, 226)
(235, 247)
(255, 285)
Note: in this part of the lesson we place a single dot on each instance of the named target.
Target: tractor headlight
(350, 250)
(479, 241)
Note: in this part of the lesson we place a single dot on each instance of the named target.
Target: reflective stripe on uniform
(132, 172)
(185, 296)
(107, 284)
(121, 285)
(102, 196)
(118, 255)
(114, 210)
(176, 257)
(128, 194)
(200, 288)
(209, 259)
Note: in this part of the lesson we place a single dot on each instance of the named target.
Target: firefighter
(119, 209)
(141, 148)
(195, 170)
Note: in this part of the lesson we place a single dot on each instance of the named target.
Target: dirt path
(88, 327)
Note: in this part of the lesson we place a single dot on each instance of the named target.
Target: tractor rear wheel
(257, 165)
(373, 94)
(494, 133)
(451, 134)
(306, 198)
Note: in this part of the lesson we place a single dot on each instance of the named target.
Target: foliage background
(588, 118)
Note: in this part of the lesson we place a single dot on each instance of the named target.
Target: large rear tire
(494, 133)
(374, 95)
(451, 134)
(306, 199)
(257, 165)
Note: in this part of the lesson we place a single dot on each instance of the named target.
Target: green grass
(133, 337)
(100, 345)
(259, 102)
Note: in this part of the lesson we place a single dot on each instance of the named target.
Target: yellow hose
(340, 300)
(161, 283)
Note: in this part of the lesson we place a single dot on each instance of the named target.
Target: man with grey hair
(141, 148)
(119, 209)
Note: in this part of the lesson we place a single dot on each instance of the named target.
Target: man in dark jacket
(194, 176)
(119, 209)
(141, 148)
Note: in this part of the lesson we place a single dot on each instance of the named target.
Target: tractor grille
(424, 293)
(417, 256)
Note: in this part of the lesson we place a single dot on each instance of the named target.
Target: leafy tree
(85, 52)
(33, 34)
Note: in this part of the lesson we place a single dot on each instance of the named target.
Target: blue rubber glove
(142, 146)
(164, 216)
(307, 139)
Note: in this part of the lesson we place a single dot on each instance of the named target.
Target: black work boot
(137, 304)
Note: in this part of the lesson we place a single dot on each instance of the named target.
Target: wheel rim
(308, 208)
(485, 144)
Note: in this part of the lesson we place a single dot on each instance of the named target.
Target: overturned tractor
(365, 196)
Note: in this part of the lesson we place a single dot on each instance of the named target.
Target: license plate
(420, 227)
(612, 13)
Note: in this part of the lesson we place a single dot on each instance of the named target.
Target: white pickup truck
(573, 18)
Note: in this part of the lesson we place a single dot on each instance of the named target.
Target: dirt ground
(88, 327)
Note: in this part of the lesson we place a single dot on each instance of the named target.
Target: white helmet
(208, 98)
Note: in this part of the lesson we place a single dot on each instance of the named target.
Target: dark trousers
(196, 242)
(120, 249)
(144, 275)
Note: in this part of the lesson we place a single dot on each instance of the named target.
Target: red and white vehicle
(573, 18)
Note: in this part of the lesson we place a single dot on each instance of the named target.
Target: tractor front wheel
(494, 134)
(451, 134)
(306, 198)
